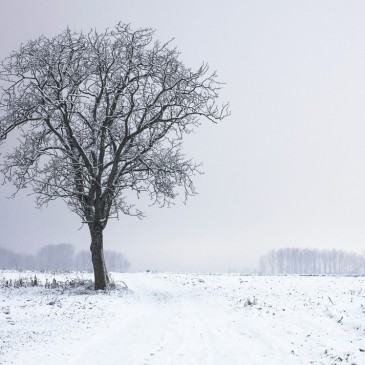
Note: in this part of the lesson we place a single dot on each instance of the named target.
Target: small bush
(249, 302)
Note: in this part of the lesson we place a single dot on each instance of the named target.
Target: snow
(173, 319)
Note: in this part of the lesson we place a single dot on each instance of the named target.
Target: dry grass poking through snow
(172, 319)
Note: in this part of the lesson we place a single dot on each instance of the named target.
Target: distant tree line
(312, 262)
(60, 257)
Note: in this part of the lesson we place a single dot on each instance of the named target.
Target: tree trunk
(97, 257)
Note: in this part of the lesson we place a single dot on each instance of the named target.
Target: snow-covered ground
(173, 319)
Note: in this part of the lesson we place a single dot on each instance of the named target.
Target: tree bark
(97, 257)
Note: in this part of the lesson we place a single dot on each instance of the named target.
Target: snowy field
(173, 319)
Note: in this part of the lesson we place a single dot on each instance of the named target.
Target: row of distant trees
(312, 262)
(60, 257)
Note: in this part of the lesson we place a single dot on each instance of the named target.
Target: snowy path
(173, 319)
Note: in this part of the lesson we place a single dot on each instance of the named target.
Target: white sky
(286, 169)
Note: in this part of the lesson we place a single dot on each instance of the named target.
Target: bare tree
(7, 259)
(116, 261)
(312, 262)
(18, 261)
(82, 261)
(57, 257)
(99, 114)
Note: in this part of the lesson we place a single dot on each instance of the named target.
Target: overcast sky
(286, 169)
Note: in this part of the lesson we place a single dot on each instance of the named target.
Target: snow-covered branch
(102, 113)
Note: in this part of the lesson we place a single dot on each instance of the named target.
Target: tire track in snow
(192, 319)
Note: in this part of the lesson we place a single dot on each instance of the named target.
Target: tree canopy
(102, 113)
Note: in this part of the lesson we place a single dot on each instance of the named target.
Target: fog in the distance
(287, 169)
